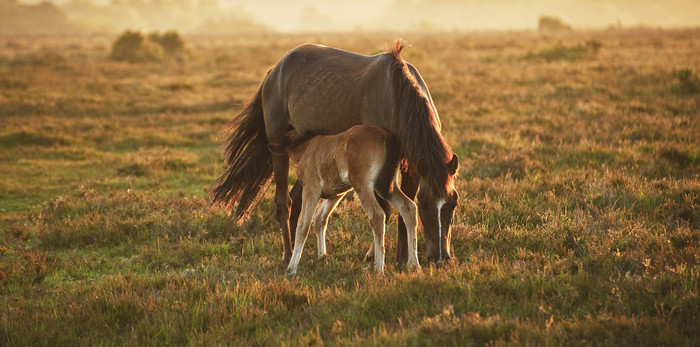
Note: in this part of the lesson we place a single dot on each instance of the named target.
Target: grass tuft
(559, 51)
(687, 82)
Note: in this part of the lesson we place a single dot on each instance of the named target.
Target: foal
(364, 158)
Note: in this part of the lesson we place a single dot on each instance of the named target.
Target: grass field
(578, 223)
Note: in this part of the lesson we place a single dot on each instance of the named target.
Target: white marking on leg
(439, 209)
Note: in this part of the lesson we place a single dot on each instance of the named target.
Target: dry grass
(578, 224)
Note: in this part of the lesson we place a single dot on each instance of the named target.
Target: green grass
(578, 223)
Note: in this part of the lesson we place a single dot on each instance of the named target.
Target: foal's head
(437, 200)
(295, 145)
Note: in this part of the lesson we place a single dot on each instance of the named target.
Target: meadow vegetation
(578, 223)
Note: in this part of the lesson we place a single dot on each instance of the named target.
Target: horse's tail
(248, 161)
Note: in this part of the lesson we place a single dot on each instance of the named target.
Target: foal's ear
(453, 165)
(290, 135)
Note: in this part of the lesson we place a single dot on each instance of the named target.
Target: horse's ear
(422, 167)
(453, 165)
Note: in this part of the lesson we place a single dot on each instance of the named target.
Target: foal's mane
(417, 124)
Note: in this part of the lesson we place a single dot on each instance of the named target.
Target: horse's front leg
(280, 167)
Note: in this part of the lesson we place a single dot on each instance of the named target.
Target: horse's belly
(325, 122)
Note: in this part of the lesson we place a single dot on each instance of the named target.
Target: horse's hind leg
(321, 221)
(280, 166)
(276, 126)
(376, 220)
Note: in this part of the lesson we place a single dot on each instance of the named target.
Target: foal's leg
(407, 210)
(386, 207)
(369, 256)
(376, 220)
(409, 186)
(310, 199)
(295, 195)
(321, 221)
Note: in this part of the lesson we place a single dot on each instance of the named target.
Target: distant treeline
(33, 19)
(76, 16)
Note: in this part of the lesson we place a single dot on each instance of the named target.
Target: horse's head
(437, 200)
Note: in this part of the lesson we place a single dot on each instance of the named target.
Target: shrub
(173, 44)
(687, 82)
(552, 24)
(132, 46)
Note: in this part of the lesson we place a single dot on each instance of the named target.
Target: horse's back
(326, 90)
(315, 53)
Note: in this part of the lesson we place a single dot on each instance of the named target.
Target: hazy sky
(328, 15)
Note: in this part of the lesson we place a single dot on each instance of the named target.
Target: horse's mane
(396, 48)
(417, 123)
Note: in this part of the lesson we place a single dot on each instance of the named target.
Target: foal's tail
(248, 161)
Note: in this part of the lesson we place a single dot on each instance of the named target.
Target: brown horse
(364, 158)
(325, 90)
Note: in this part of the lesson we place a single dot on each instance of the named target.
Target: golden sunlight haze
(236, 16)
